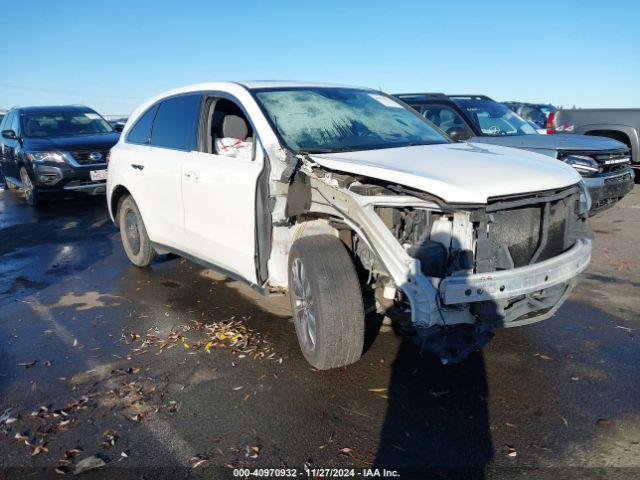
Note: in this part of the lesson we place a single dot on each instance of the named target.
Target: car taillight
(550, 119)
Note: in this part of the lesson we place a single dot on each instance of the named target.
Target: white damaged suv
(350, 201)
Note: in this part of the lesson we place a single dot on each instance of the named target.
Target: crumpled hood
(99, 141)
(552, 142)
(457, 172)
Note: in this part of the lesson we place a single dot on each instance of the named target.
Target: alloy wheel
(304, 313)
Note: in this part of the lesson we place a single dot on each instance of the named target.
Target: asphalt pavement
(176, 372)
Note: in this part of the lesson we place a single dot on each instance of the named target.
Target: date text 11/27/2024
(315, 473)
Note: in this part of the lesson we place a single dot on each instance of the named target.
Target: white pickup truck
(335, 194)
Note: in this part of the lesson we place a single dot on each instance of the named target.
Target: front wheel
(133, 234)
(326, 301)
(30, 192)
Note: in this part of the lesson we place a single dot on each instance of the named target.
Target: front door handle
(137, 166)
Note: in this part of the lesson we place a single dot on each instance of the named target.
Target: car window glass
(443, 117)
(330, 119)
(175, 123)
(4, 122)
(14, 122)
(495, 119)
(141, 131)
(228, 131)
(64, 122)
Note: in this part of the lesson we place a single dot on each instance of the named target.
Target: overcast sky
(113, 54)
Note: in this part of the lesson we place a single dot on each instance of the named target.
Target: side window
(443, 117)
(228, 131)
(141, 131)
(5, 122)
(176, 123)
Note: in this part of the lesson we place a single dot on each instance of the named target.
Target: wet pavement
(126, 370)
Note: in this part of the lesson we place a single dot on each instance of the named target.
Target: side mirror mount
(118, 127)
(458, 134)
(10, 134)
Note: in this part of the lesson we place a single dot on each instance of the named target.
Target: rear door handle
(137, 166)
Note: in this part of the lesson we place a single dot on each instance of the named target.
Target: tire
(326, 302)
(133, 234)
(30, 191)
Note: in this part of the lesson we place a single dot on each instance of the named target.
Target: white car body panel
(158, 187)
(457, 172)
(219, 210)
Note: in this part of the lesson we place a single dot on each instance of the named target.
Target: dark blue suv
(49, 151)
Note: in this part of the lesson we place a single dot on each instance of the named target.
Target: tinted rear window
(141, 131)
(175, 123)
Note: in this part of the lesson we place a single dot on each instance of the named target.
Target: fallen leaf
(511, 451)
(38, 449)
(198, 460)
(565, 421)
(22, 438)
(252, 452)
(543, 356)
(139, 416)
(509, 424)
(604, 422)
(72, 452)
(345, 451)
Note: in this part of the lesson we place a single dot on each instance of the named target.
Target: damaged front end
(452, 273)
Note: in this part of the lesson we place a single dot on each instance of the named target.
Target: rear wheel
(326, 301)
(133, 234)
(30, 192)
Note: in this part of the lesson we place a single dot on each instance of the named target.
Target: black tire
(335, 302)
(30, 191)
(133, 234)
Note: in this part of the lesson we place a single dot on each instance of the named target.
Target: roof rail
(423, 94)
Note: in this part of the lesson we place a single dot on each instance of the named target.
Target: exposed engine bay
(449, 274)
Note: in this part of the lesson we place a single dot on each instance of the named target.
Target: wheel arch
(117, 195)
(623, 133)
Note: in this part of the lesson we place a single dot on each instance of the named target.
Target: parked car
(621, 124)
(52, 151)
(336, 193)
(537, 113)
(604, 163)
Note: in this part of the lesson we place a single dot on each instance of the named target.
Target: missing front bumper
(517, 281)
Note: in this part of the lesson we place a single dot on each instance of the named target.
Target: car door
(219, 197)
(155, 167)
